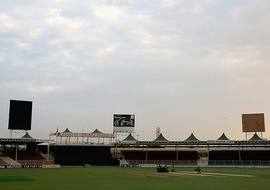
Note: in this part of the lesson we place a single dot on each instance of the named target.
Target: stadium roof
(56, 132)
(160, 138)
(192, 138)
(130, 138)
(20, 141)
(26, 136)
(223, 137)
(66, 131)
(96, 131)
(95, 134)
(255, 138)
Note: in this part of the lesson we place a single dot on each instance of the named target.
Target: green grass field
(114, 178)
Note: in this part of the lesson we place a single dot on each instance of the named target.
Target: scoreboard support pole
(48, 151)
(115, 143)
(10, 134)
(16, 153)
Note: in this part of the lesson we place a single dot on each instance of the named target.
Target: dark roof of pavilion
(26, 136)
(98, 134)
(96, 131)
(55, 133)
(223, 137)
(192, 138)
(66, 131)
(160, 138)
(129, 138)
(255, 138)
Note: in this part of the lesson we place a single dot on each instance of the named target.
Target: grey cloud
(181, 65)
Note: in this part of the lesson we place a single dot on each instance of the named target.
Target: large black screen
(20, 115)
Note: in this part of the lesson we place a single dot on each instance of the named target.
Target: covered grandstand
(74, 148)
(22, 152)
(98, 148)
(192, 151)
(70, 148)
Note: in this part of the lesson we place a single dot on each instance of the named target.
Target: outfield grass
(114, 178)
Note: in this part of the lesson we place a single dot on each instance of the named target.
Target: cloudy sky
(179, 65)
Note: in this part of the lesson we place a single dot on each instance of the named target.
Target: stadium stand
(35, 163)
(192, 151)
(3, 164)
(160, 157)
(9, 163)
(68, 148)
(30, 159)
(22, 152)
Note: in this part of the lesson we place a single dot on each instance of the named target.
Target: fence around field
(210, 162)
(35, 163)
(167, 162)
(240, 162)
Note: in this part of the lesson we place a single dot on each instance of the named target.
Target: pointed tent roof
(97, 134)
(191, 138)
(96, 131)
(160, 138)
(223, 137)
(56, 132)
(67, 131)
(26, 136)
(255, 138)
(129, 138)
